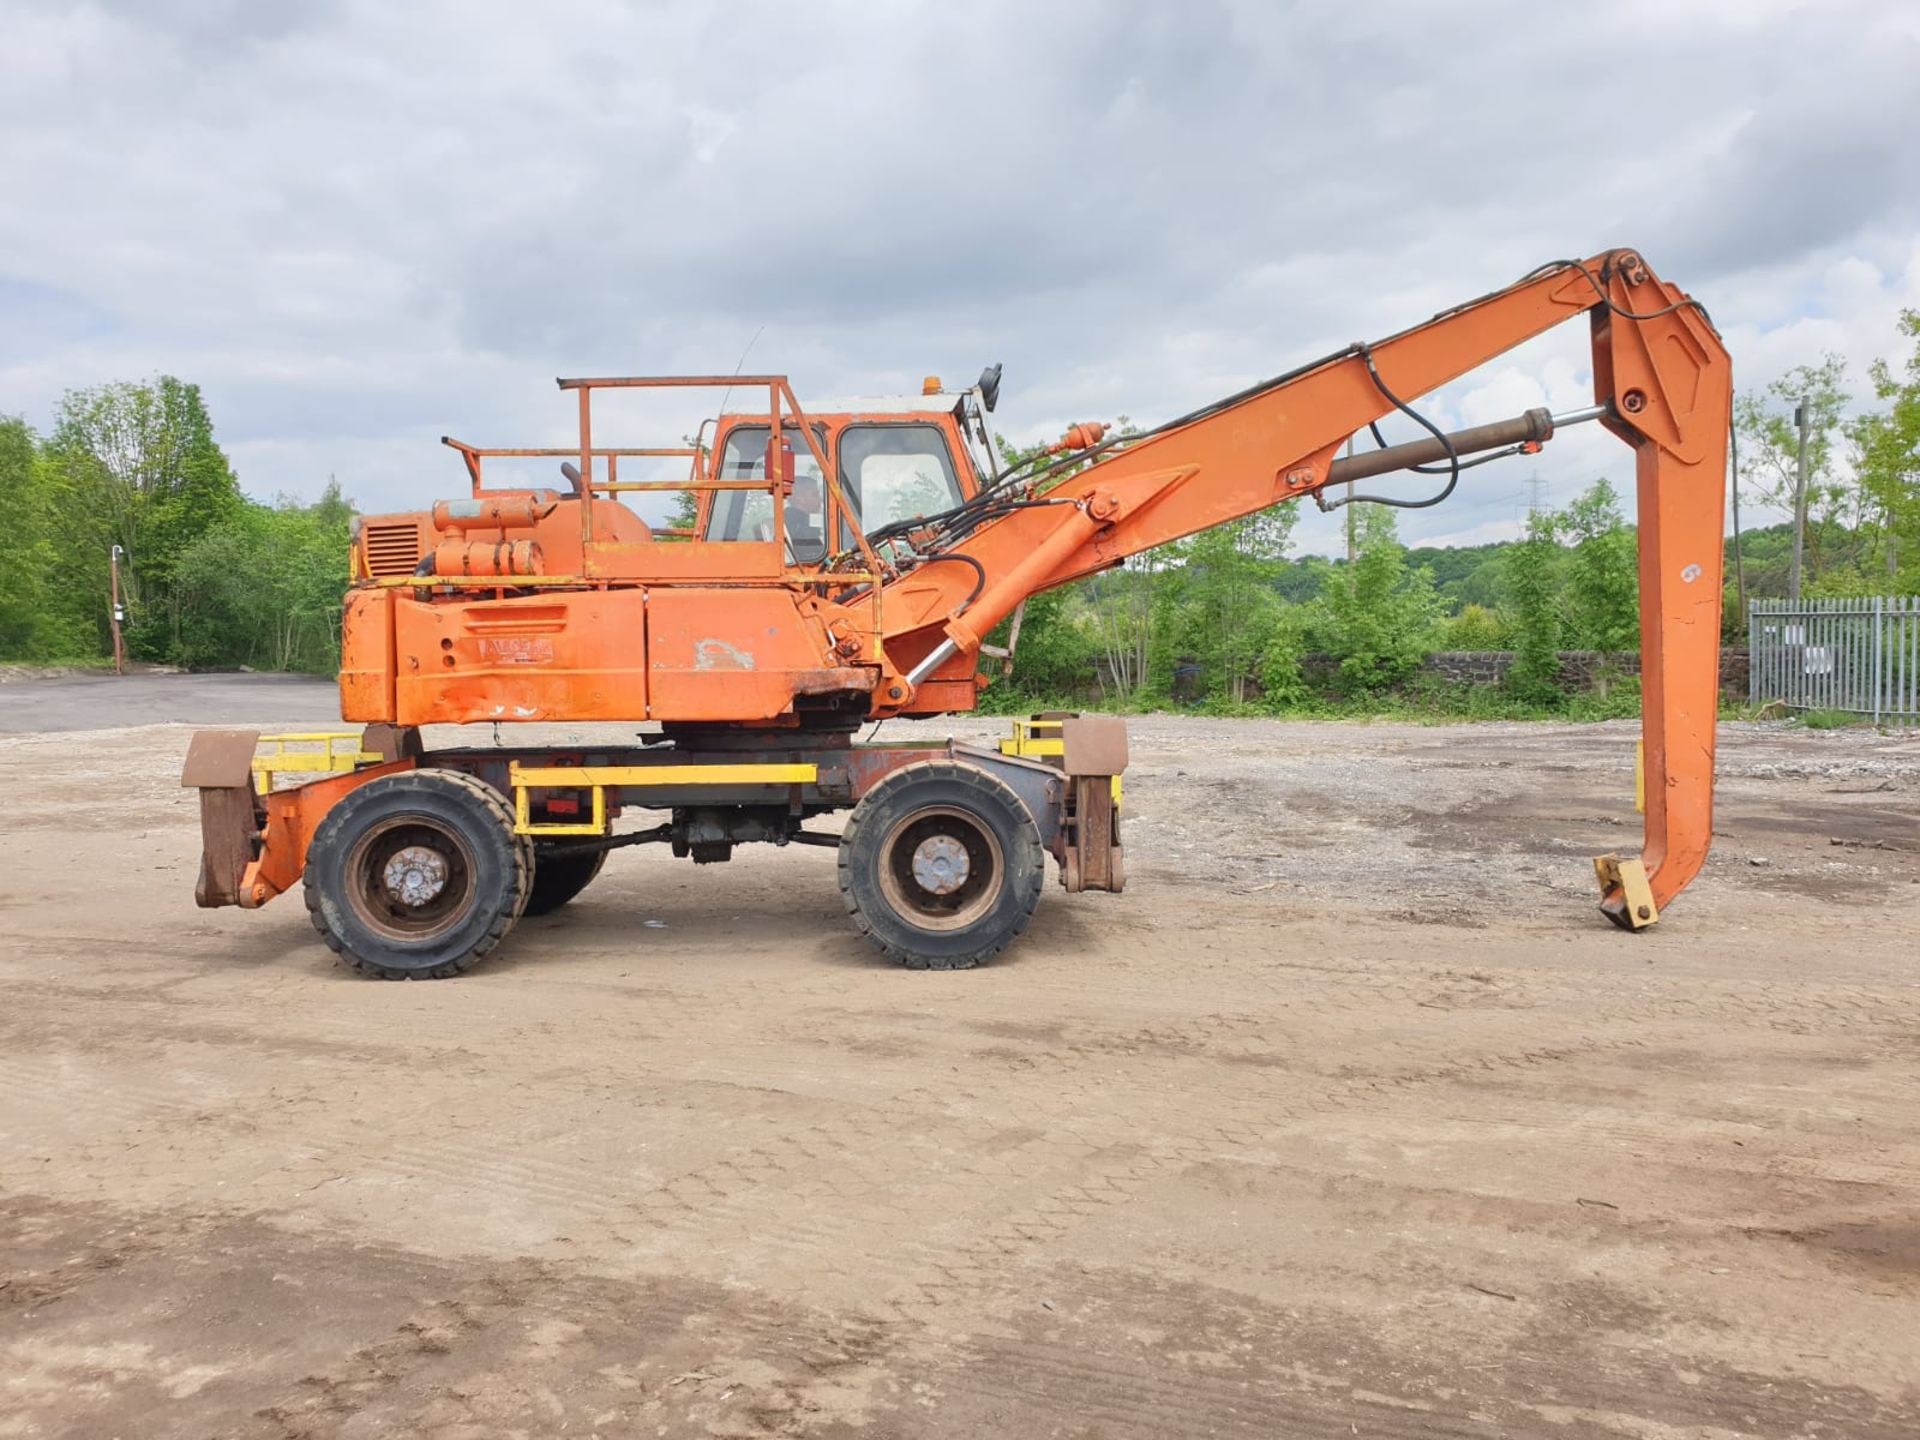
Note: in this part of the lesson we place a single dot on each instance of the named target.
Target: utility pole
(118, 613)
(1739, 565)
(1802, 413)
(1351, 517)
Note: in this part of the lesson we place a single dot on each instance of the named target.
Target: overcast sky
(361, 226)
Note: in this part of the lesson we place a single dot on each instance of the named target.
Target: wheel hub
(940, 865)
(415, 876)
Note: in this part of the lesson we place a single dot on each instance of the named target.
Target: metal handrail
(778, 392)
(701, 479)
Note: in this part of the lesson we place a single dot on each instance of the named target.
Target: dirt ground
(1351, 1118)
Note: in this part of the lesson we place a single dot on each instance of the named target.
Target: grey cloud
(216, 27)
(40, 317)
(362, 222)
(1824, 153)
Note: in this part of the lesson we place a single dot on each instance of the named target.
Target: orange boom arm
(1662, 383)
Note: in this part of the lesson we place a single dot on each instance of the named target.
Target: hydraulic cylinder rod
(1533, 428)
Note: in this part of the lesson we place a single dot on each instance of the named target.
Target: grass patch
(1830, 719)
(37, 668)
(1424, 700)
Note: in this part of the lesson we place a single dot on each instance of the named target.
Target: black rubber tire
(492, 873)
(935, 786)
(558, 877)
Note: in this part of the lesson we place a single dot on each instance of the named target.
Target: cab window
(748, 514)
(896, 472)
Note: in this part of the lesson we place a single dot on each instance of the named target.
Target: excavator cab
(894, 460)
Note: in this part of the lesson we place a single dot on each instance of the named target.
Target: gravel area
(1351, 1117)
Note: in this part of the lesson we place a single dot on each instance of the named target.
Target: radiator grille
(392, 549)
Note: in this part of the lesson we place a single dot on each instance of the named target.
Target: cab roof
(942, 403)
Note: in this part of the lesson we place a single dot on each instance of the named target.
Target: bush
(1283, 683)
(1619, 700)
(1378, 616)
(1474, 628)
(264, 589)
(1602, 606)
(1532, 595)
(1056, 654)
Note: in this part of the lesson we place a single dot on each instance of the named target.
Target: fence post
(1879, 639)
(1753, 654)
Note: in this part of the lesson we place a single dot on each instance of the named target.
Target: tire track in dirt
(1118, 1172)
(863, 1143)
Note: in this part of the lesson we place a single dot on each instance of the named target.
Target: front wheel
(559, 876)
(417, 875)
(941, 865)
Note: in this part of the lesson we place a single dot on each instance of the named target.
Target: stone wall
(1579, 669)
(1470, 667)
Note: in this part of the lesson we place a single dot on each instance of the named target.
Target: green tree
(1119, 604)
(1283, 679)
(685, 511)
(1888, 449)
(1532, 593)
(1224, 609)
(137, 466)
(44, 614)
(1602, 578)
(1463, 575)
(21, 563)
(1055, 659)
(1769, 461)
(1302, 581)
(1380, 610)
(25, 557)
(263, 588)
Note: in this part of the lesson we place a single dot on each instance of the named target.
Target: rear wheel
(558, 876)
(941, 865)
(417, 875)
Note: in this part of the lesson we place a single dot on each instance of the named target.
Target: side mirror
(989, 386)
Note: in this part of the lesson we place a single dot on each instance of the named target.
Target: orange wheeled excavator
(847, 565)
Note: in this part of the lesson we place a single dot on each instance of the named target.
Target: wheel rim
(410, 879)
(941, 868)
